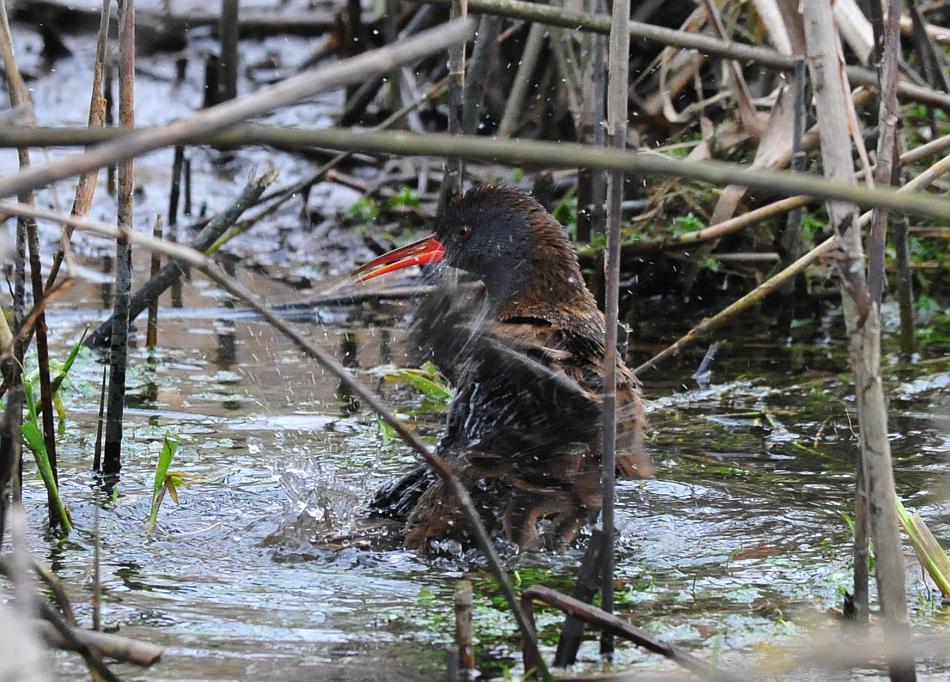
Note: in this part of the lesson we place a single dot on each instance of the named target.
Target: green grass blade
(28, 394)
(68, 363)
(928, 550)
(34, 440)
(165, 457)
(422, 383)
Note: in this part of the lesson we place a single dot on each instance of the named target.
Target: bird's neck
(543, 287)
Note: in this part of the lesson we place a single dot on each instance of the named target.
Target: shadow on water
(260, 573)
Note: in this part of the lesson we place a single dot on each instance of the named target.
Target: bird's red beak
(426, 250)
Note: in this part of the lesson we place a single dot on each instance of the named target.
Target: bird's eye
(466, 232)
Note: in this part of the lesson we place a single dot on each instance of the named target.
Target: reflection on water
(739, 542)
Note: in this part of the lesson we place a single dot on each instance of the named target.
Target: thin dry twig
(229, 113)
(555, 16)
(709, 324)
(608, 622)
(555, 155)
(86, 189)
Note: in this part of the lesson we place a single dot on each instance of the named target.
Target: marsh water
(260, 574)
(739, 548)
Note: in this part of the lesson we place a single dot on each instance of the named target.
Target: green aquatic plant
(425, 380)
(364, 210)
(58, 371)
(565, 212)
(33, 437)
(32, 427)
(165, 480)
(928, 550)
(688, 223)
(407, 198)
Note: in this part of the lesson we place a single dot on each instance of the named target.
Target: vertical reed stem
(42, 359)
(887, 169)
(617, 96)
(186, 171)
(905, 287)
(452, 181)
(151, 334)
(486, 45)
(86, 189)
(522, 82)
(108, 92)
(791, 243)
(598, 189)
(391, 35)
(463, 630)
(118, 355)
(100, 423)
(228, 65)
(174, 193)
(863, 323)
(20, 97)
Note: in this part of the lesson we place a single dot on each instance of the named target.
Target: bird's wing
(585, 353)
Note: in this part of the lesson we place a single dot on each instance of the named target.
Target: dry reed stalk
(151, 329)
(452, 173)
(86, 189)
(618, 65)
(519, 89)
(905, 287)
(477, 71)
(202, 123)
(862, 320)
(463, 629)
(228, 29)
(887, 172)
(524, 152)
(758, 294)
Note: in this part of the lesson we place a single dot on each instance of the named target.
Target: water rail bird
(523, 430)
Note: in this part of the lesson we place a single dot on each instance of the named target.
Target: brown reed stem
(118, 353)
(86, 189)
(862, 322)
(618, 66)
(523, 152)
(151, 329)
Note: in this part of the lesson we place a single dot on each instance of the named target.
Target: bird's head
(502, 236)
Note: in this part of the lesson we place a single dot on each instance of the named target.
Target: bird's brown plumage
(523, 431)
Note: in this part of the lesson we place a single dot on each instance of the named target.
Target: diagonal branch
(300, 340)
(521, 152)
(223, 115)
